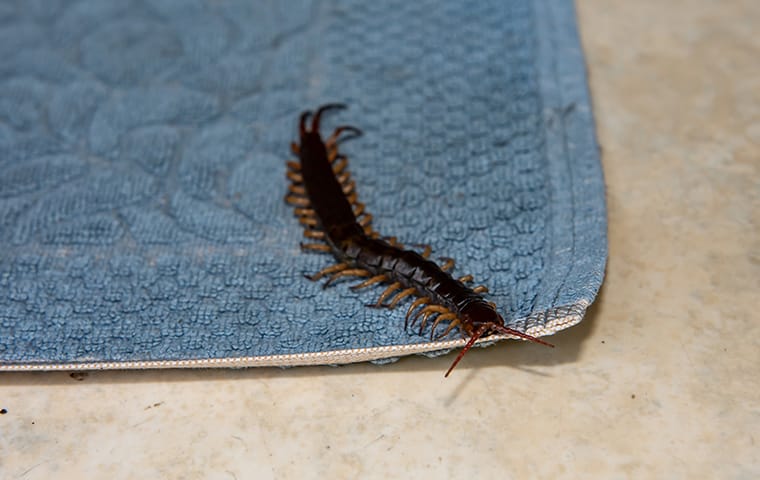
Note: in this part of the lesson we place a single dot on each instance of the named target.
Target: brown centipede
(327, 206)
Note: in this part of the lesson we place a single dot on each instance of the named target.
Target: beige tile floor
(662, 379)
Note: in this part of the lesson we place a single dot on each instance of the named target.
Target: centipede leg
(315, 234)
(300, 211)
(425, 317)
(365, 220)
(417, 315)
(448, 264)
(356, 272)
(297, 189)
(328, 271)
(317, 247)
(480, 289)
(295, 148)
(400, 296)
(465, 279)
(294, 166)
(295, 177)
(393, 242)
(359, 209)
(341, 162)
(296, 200)
(332, 153)
(370, 281)
(305, 213)
(428, 311)
(412, 307)
(451, 327)
(343, 178)
(441, 318)
(349, 188)
(383, 296)
(308, 221)
(307, 217)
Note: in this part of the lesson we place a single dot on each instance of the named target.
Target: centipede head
(480, 319)
(477, 315)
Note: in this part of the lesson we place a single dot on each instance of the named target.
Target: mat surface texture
(142, 158)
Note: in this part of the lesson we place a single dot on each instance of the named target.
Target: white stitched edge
(333, 357)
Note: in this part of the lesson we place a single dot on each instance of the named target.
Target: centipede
(335, 222)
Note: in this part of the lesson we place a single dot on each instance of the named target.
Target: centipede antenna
(517, 333)
(467, 348)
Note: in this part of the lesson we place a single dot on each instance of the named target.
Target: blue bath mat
(143, 149)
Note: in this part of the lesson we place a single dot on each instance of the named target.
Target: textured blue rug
(143, 148)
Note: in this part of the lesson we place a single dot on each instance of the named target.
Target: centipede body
(336, 222)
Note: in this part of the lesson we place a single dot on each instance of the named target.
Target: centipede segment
(326, 204)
